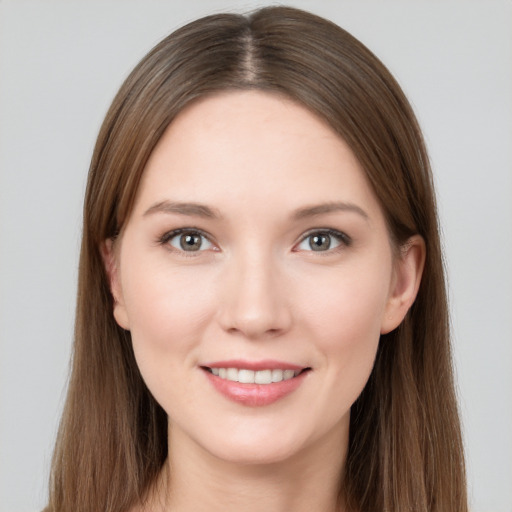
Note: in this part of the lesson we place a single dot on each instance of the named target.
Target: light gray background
(61, 62)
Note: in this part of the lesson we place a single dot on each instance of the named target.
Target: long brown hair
(405, 450)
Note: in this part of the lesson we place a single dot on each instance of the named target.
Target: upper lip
(265, 364)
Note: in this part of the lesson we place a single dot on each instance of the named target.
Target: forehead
(254, 146)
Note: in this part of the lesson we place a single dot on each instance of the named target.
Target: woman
(262, 319)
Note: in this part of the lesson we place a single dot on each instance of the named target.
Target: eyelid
(343, 239)
(169, 235)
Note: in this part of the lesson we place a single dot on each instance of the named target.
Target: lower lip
(255, 395)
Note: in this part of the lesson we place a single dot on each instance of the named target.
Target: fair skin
(282, 258)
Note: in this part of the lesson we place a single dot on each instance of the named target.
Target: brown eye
(319, 242)
(323, 241)
(189, 241)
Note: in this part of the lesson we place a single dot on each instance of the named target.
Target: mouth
(247, 376)
(255, 383)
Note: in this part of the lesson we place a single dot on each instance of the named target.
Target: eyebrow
(201, 210)
(190, 209)
(321, 209)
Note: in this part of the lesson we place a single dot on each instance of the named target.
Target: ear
(110, 260)
(405, 283)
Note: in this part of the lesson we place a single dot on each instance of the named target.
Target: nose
(255, 301)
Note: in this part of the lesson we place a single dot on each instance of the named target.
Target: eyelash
(343, 239)
(167, 237)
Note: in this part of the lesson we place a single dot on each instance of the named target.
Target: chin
(255, 455)
(261, 447)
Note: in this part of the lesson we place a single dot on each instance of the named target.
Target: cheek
(344, 317)
(347, 305)
(167, 310)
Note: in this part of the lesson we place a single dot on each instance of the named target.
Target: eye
(323, 240)
(187, 240)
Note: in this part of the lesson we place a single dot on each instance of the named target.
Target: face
(255, 274)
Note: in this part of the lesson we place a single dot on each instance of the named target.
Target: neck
(308, 480)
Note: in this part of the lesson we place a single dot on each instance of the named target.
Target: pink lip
(255, 395)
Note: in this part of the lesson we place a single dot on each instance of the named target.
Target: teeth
(244, 376)
(232, 374)
(254, 377)
(263, 377)
(288, 374)
(277, 375)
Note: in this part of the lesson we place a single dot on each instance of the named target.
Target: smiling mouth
(245, 376)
